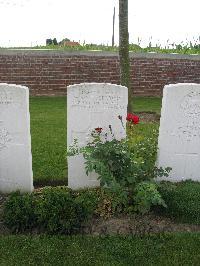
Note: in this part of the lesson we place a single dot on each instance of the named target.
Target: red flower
(98, 129)
(132, 118)
(129, 117)
(135, 119)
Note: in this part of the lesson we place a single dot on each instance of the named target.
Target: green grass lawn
(182, 201)
(147, 104)
(171, 249)
(48, 133)
(49, 129)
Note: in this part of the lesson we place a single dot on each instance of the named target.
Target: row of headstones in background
(96, 105)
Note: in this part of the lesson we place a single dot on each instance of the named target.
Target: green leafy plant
(51, 210)
(147, 194)
(57, 211)
(19, 212)
(99, 201)
(88, 198)
(122, 165)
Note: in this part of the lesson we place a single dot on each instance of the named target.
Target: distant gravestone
(90, 106)
(15, 140)
(179, 134)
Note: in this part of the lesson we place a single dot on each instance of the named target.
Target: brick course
(48, 72)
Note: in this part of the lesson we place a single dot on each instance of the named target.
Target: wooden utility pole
(113, 35)
(124, 48)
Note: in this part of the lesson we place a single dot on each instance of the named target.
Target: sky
(31, 22)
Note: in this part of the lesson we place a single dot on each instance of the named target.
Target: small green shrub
(57, 211)
(19, 212)
(99, 202)
(183, 201)
(88, 198)
(51, 210)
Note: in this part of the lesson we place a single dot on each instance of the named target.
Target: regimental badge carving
(188, 132)
(190, 105)
(5, 98)
(5, 138)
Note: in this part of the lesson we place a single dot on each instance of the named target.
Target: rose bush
(123, 166)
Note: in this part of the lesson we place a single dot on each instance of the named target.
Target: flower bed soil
(148, 117)
(137, 225)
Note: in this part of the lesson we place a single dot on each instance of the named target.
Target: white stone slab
(89, 106)
(179, 134)
(15, 139)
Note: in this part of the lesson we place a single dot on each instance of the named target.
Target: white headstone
(179, 134)
(15, 140)
(89, 106)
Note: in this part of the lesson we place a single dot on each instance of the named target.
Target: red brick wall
(50, 72)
